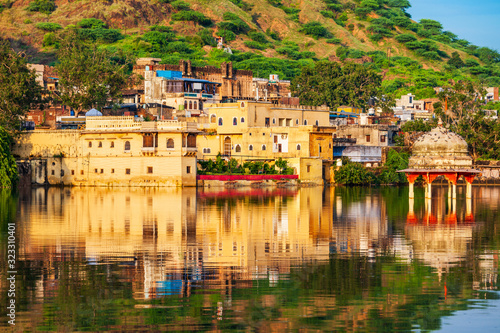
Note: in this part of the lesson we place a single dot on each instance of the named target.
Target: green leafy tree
(42, 6)
(352, 173)
(8, 167)
(90, 77)
(455, 61)
(327, 83)
(19, 91)
(395, 161)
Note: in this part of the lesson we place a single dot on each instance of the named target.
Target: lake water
(315, 259)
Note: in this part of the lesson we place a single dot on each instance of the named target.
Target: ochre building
(112, 151)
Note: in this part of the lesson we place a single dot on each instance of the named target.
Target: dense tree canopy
(330, 84)
(19, 90)
(8, 168)
(90, 77)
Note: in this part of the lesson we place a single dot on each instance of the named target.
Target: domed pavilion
(440, 152)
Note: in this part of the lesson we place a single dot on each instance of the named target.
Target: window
(296, 121)
(250, 147)
(102, 170)
(242, 120)
(298, 147)
(317, 122)
(213, 119)
(90, 144)
(112, 144)
(53, 172)
(112, 170)
(308, 168)
(81, 172)
(100, 144)
(190, 105)
(72, 172)
(170, 144)
(127, 171)
(274, 121)
(235, 121)
(150, 169)
(220, 121)
(267, 122)
(185, 105)
(95, 170)
(335, 136)
(263, 147)
(368, 138)
(319, 148)
(188, 169)
(305, 122)
(195, 105)
(238, 149)
(348, 136)
(127, 145)
(382, 138)
(207, 150)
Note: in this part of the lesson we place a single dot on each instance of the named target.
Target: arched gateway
(440, 152)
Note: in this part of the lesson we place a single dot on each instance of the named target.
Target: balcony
(190, 95)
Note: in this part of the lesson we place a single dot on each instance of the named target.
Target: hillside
(266, 36)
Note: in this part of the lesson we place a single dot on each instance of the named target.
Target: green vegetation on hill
(266, 36)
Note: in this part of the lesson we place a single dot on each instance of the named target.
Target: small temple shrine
(440, 152)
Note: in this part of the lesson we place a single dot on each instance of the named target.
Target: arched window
(213, 119)
(100, 144)
(220, 121)
(112, 144)
(170, 143)
(263, 147)
(190, 105)
(238, 149)
(317, 122)
(127, 145)
(296, 121)
(305, 121)
(90, 144)
(298, 147)
(235, 121)
(274, 121)
(242, 120)
(250, 147)
(195, 105)
(185, 105)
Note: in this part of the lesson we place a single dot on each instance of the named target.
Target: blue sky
(477, 21)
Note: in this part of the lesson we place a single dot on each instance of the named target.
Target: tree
(19, 91)
(455, 60)
(461, 107)
(8, 167)
(90, 77)
(330, 84)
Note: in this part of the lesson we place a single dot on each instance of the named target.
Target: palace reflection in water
(174, 244)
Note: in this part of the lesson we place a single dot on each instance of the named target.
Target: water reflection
(274, 259)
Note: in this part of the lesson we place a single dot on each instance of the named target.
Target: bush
(354, 174)
(180, 5)
(100, 34)
(227, 35)
(258, 37)
(228, 16)
(433, 55)
(207, 38)
(334, 41)
(91, 23)
(327, 13)
(405, 38)
(47, 26)
(255, 45)
(192, 16)
(42, 6)
(315, 29)
(49, 39)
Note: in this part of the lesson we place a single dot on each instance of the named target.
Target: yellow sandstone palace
(112, 151)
